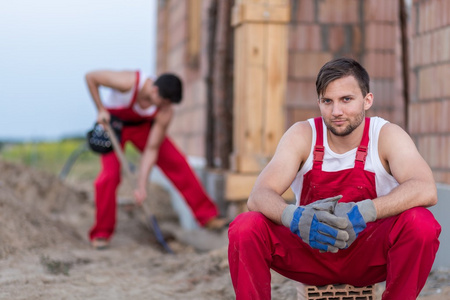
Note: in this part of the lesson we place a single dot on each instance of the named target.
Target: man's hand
(140, 194)
(103, 117)
(357, 215)
(316, 225)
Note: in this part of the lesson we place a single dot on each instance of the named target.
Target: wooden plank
(238, 187)
(275, 94)
(258, 13)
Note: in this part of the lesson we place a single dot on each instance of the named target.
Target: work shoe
(100, 243)
(216, 223)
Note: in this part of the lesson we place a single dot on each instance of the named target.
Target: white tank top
(116, 99)
(336, 162)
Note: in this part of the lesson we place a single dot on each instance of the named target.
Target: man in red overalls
(361, 190)
(145, 107)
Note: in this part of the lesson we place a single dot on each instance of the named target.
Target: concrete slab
(441, 212)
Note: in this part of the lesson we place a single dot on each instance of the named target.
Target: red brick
(380, 65)
(305, 11)
(301, 114)
(338, 11)
(305, 38)
(306, 65)
(301, 92)
(380, 36)
(176, 58)
(357, 39)
(447, 152)
(414, 120)
(380, 10)
(336, 38)
(343, 291)
(444, 44)
(446, 13)
(425, 80)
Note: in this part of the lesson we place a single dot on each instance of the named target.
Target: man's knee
(107, 178)
(421, 223)
(246, 224)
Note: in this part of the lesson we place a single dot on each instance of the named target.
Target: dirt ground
(44, 252)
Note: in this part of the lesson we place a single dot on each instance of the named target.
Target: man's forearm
(93, 90)
(148, 160)
(409, 194)
(267, 202)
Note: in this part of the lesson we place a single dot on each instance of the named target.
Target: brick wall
(368, 30)
(188, 127)
(430, 91)
(365, 30)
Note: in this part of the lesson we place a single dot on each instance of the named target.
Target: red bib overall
(170, 161)
(399, 249)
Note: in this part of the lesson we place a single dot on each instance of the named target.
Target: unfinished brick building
(249, 69)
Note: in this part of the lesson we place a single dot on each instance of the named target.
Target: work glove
(316, 225)
(357, 215)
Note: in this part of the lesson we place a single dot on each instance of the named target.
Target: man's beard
(347, 130)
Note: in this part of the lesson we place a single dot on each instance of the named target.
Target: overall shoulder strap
(319, 150)
(361, 153)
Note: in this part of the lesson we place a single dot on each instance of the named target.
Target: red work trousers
(170, 161)
(399, 250)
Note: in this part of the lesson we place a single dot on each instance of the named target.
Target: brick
(380, 65)
(336, 38)
(305, 38)
(304, 11)
(357, 40)
(301, 92)
(420, 18)
(381, 10)
(426, 83)
(307, 64)
(446, 13)
(426, 49)
(447, 152)
(338, 11)
(336, 292)
(380, 36)
(176, 58)
(300, 114)
(444, 44)
(415, 51)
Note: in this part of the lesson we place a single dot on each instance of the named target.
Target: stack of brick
(335, 292)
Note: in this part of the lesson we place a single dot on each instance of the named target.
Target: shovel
(150, 219)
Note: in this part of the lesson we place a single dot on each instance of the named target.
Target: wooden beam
(238, 187)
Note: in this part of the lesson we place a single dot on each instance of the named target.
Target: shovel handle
(151, 220)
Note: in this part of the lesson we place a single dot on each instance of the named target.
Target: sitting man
(361, 190)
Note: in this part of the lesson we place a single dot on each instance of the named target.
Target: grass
(55, 157)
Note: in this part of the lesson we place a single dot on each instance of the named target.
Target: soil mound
(33, 206)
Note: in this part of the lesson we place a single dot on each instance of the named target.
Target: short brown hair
(339, 68)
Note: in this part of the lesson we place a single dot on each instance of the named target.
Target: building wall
(368, 31)
(180, 49)
(430, 102)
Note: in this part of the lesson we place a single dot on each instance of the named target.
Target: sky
(46, 48)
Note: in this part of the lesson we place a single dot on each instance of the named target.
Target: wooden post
(260, 79)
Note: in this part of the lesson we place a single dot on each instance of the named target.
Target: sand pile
(44, 252)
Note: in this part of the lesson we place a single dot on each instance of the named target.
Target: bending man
(144, 105)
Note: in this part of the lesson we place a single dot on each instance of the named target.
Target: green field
(56, 157)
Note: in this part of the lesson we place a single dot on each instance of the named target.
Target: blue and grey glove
(316, 224)
(357, 215)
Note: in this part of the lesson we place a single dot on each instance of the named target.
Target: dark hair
(170, 87)
(339, 68)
